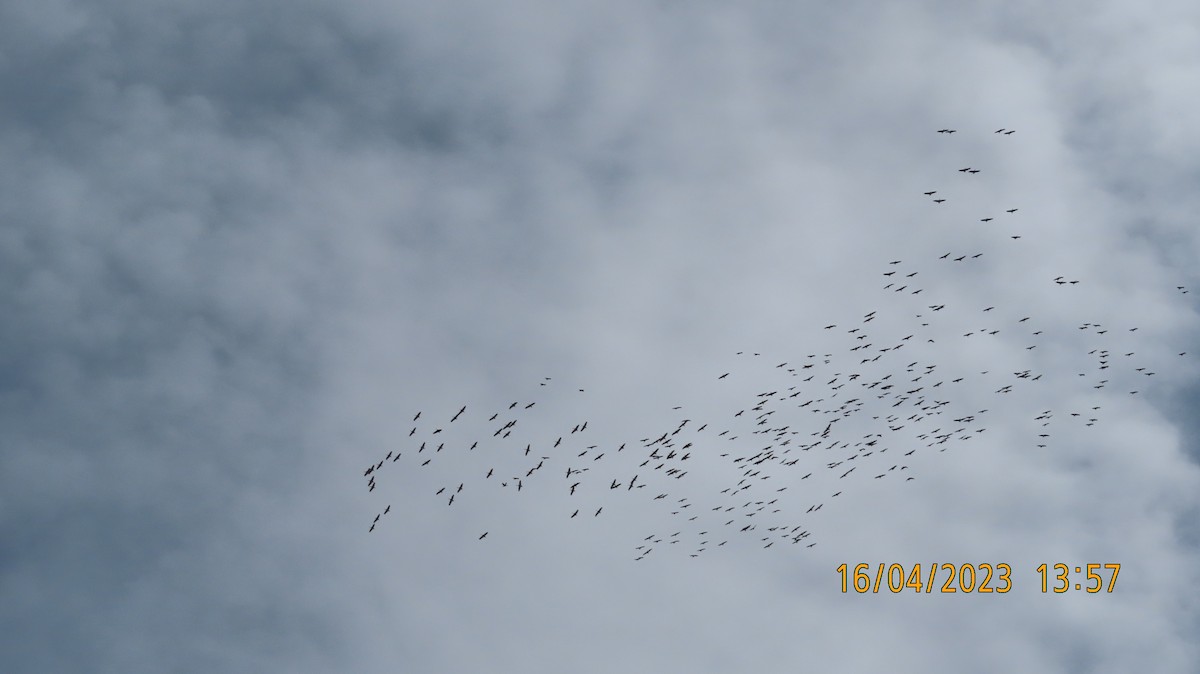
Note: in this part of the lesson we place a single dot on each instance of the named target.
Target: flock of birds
(842, 419)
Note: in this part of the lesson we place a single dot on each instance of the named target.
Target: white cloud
(246, 245)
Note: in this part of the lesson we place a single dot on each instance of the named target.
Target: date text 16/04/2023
(981, 578)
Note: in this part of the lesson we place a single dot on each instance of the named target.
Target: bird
(834, 399)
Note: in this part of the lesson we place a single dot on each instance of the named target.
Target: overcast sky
(242, 245)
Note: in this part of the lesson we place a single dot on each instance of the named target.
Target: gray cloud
(243, 245)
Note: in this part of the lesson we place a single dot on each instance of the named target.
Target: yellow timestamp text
(966, 578)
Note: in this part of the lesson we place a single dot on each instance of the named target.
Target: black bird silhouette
(757, 465)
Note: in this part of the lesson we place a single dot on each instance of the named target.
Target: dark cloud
(244, 244)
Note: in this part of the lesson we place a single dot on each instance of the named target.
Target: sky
(244, 244)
